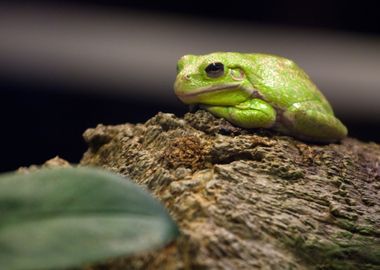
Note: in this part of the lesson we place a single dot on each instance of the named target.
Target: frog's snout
(178, 83)
(182, 78)
(186, 77)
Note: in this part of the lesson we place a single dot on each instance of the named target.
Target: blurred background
(68, 65)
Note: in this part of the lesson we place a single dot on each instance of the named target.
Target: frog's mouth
(208, 89)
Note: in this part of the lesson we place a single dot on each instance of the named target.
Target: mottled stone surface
(248, 199)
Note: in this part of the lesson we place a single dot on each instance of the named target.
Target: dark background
(42, 118)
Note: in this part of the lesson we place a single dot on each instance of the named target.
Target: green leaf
(55, 218)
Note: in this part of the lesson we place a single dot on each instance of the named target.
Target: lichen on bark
(248, 199)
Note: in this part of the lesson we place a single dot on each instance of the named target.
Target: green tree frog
(258, 91)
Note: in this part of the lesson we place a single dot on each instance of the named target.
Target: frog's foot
(254, 113)
(308, 121)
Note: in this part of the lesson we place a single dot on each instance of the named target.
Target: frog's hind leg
(310, 121)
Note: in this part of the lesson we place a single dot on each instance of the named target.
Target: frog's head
(213, 79)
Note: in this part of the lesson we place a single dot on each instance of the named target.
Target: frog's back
(282, 82)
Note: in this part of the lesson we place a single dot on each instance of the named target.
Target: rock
(248, 199)
(55, 162)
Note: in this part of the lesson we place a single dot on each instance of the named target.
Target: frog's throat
(211, 89)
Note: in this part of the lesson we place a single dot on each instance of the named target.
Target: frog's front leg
(254, 113)
(310, 121)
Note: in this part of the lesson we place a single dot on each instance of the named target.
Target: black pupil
(215, 70)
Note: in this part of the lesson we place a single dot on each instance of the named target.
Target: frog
(258, 90)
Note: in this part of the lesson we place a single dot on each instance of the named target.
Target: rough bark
(248, 199)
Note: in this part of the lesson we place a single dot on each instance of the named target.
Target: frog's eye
(215, 70)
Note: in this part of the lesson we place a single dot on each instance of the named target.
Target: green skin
(259, 91)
